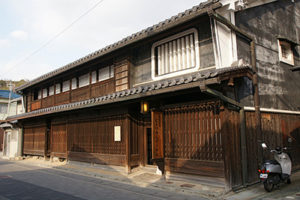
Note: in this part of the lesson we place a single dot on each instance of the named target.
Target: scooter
(273, 172)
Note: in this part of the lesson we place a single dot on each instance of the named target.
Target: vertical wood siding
(231, 138)
(93, 140)
(34, 140)
(193, 139)
(59, 140)
(276, 128)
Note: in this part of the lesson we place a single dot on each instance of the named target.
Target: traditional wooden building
(182, 94)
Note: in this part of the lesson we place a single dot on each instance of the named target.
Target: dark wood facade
(276, 129)
(191, 131)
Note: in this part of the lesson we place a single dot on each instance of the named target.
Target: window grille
(176, 53)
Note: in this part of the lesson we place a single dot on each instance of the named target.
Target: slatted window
(176, 53)
(66, 86)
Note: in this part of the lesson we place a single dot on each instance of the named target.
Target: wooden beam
(220, 95)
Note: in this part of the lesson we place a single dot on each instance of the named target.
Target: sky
(27, 25)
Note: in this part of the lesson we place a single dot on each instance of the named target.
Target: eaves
(185, 16)
(159, 87)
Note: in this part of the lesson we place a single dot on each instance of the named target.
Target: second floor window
(177, 53)
(74, 83)
(285, 52)
(94, 77)
(51, 90)
(57, 88)
(66, 86)
(106, 73)
(3, 108)
(45, 92)
(84, 80)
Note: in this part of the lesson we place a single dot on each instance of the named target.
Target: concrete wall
(11, 143)
(3, 115)
(279, 87)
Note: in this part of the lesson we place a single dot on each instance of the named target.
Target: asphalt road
(23, 182)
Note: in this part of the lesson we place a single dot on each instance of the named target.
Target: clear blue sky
(28, 24)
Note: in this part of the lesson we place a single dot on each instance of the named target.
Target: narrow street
(19, 181)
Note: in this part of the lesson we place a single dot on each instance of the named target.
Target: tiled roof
(140, 91)
(5, 94)
(150, 31)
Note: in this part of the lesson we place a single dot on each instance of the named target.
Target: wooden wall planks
(276, 128)
(34, 140)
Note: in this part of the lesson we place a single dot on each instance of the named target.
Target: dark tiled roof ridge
(125, 41)
(194, 77)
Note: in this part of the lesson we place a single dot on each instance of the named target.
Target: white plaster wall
(225, 44)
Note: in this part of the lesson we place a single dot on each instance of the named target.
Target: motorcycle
(273, 172)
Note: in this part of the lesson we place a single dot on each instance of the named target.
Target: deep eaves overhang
(185, 16)
(206, 77)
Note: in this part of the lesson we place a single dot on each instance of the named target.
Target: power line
(55, 36)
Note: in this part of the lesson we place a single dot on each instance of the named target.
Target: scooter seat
(274, 162)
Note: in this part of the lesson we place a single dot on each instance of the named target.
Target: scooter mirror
(264, 145)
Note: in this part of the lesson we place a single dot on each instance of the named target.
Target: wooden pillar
(127, 133)
(243, 146)
(226, 144)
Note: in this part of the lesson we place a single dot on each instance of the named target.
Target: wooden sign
(157, 135)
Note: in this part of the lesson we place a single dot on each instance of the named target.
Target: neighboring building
(10, 135)
(179, 94)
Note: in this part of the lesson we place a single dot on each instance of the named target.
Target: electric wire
(54, 37)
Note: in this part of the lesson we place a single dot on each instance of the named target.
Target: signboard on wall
(117, 134)
(157, 135)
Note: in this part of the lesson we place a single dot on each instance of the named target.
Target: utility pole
(11, 86)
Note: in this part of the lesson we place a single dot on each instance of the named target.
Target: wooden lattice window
(176, 54)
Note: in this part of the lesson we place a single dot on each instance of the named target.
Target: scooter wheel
(268, 185)
(288, 181)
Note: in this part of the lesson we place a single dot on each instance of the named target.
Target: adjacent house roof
(158, 87)
(5, 94)
(150, 31)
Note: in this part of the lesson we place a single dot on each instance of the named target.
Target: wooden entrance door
(59, 140)
(157, 135)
